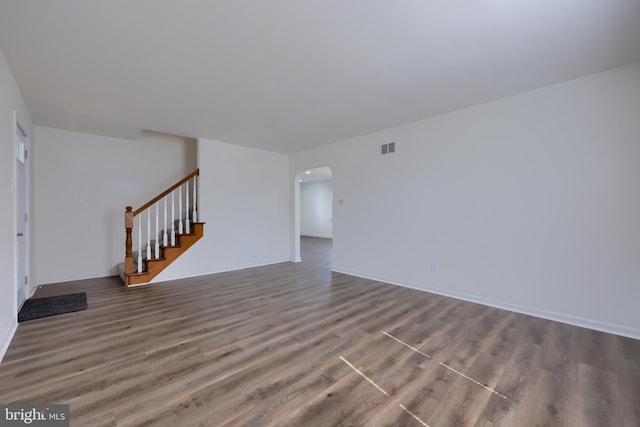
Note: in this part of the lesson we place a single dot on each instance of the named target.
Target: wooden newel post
(128, 225)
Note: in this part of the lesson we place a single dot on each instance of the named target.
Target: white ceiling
(288, 75)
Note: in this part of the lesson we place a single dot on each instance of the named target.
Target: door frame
(21, 141)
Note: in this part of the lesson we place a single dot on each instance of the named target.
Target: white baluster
(173, 219)
(194, 216)
(180, 210)
(186, 219)
(157, 235)
(139, 245)
(148, 233)
(164, 234)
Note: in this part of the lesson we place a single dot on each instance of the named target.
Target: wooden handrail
(165, 192)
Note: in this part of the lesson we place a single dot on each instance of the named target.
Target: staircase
(163, 229)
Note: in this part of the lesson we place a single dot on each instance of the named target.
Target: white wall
(83, 183)
(316, 209)
(530, 202)
(244, 200)
(10, 101)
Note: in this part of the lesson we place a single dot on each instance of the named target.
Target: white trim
(224, 270)
(322, 236)
(7, 339)
(597, 325)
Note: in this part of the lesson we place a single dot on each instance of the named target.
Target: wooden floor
(297, 345)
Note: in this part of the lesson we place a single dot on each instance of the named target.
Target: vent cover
(388, 148)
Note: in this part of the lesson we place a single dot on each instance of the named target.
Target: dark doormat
(50, 306)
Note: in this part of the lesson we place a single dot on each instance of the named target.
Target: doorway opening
(314, 214)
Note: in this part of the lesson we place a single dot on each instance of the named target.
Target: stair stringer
(170, 254)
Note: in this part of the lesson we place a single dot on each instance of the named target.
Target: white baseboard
(322, 236)
(596, 325)
(4, 346)
(222, 270)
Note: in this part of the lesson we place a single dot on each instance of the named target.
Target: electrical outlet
(435, 268)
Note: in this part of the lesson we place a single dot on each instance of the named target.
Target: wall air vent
(388, 148)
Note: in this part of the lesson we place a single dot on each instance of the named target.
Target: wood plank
(262, 347)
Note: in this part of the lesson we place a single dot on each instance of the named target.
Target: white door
(21, 218)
